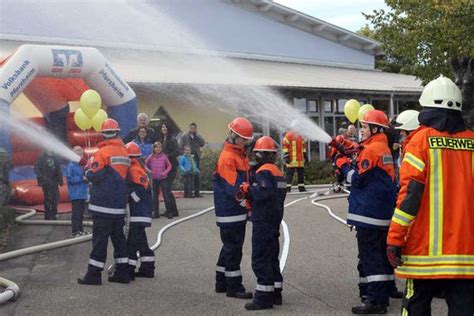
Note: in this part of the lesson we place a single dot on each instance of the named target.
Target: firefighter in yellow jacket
(294, 153)
(430, 237)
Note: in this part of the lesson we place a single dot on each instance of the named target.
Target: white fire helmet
(442, 93)
(408, 120)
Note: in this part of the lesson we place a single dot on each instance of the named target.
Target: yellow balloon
(364, 109)
(90, 102)
(98, 119)
(351, 109)
(81, 120)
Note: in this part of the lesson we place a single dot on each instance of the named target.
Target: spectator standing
(144, 141)
(353, 134)
(195, 141)
(77, 189)
(50, 177)
(142, 122)
(188, 171)
(161, 167)
(170, 149)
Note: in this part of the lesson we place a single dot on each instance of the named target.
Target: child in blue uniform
(140, 203)
(266, 195)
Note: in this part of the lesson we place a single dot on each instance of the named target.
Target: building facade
(186, 59)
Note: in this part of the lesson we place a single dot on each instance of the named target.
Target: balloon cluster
(90, 115)
(353, 110)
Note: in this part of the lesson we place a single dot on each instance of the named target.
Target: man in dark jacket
(195, 141)
(142, 122)
(49, 175)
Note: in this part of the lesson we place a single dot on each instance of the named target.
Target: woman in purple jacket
(160, 167)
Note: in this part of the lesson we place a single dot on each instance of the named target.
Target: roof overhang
(311, 25)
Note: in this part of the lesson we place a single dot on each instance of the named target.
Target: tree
(419, 37)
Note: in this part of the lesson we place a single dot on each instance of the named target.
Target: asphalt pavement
(320, 277)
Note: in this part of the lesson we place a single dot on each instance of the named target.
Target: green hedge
(316, 172)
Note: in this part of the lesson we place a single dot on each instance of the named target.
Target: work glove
(243, 192)
(394, 255)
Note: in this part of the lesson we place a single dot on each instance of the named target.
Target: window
(382, 105)
(329, 125)
(312, 106)
(340, 105)
(328, 106)
(300, 104)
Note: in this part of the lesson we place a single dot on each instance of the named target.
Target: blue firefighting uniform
(107, 171)
(140, 203)
(231, 170)
(371, 206)
(267, 195)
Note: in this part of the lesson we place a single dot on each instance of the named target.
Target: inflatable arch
(50, 76)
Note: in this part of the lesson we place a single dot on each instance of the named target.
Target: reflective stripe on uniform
(436, 270)
(436, 203)
(220, 269)
(233, 274)
(121, 260)
(439, 260)
(294, 160)
(147, 259)
(106, 210)
(231, 219)
(264, 288)
(120, 160)
(402, 218)
(140, 219)
(414, 161)
(368, 220)
(380, 278)
(132, 262)
(135, 197)
(282, 185)
(278, 285)
(362, 280)
(96, 263)
(409, 293)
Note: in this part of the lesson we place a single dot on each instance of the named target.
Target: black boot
(368, 308)
(242, 295)
(221, 288)
(91, 278)
(302, 189)
(396, 294)
(255, 307)
(119, 278)
(145, 274)
(277, 299)
(156, 214)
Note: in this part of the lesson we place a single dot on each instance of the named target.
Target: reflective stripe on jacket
(107, 171)
(268, 193)
(373, 192)
(434, 218)
(231, 170)
(294, 145)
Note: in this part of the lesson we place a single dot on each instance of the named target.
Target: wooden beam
(265, 7)
(343, 37)
(318, 27)
(292, 18)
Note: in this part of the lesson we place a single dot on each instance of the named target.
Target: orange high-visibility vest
(434, 217)
(294, 145)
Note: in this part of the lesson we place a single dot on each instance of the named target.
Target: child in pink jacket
(160, 166)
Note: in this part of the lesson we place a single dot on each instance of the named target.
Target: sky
(343, 13)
